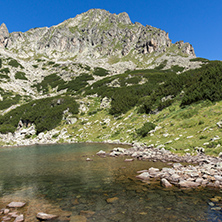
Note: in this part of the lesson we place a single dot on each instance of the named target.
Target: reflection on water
(57, 179)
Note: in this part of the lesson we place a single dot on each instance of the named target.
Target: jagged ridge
(94, 34)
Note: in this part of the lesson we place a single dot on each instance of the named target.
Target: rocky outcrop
(96, 33)
(4, 35)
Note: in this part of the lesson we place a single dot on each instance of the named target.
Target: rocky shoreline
(185, 172)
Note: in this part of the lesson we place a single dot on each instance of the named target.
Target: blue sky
(198, 22)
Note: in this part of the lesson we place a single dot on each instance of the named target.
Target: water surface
(58, 179)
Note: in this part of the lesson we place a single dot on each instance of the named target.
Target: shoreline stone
(202, 171)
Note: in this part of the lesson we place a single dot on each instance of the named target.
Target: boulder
(144, 176)
(219, 124)
(188, 184)
(165, 183)
(16, 204)
(101, 152)
(44, 216)
(19, 218)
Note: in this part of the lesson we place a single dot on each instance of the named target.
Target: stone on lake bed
(6, 211)
(19, 218)
(101, 152)
(78, 218)
(112, 200)
(6, 218)
(128, 160)
(16, 204)
(44, 216)
(216, 199)
(87, 213)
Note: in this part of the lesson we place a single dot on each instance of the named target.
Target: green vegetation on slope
(46, 113)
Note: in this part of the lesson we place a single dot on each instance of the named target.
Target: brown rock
(87, 213)
(112, 200)
(44, 216)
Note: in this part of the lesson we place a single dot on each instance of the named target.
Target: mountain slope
(99, 77)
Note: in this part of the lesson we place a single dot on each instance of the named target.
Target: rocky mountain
(97, 36)
(72, 80)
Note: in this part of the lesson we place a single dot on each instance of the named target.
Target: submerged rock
(101, 152)
(112, 200)
(44, 216)
(20, 218)
(16, 204)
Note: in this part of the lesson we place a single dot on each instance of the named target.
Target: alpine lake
(57, 179)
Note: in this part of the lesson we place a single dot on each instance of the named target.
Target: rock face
(95, 33)
(4, 34)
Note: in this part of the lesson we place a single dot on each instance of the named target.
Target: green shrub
(100, 72)
(76, 84)
(45, 113)
(8, 100)
(4, 76)
(50, 63)
(20, 75)
(198, 59)
(35, 66)
(5, 70)
(49, 82)
(7, 128)
(15, 64)
(145, 129)
(161, 66)
(204, 84)
(0, 63)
